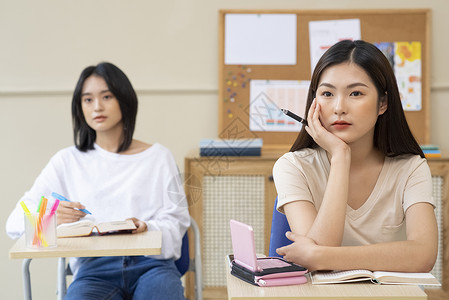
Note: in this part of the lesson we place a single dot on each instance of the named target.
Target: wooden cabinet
(440, 177)
(222, 188)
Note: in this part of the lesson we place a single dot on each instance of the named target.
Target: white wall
(169, 51)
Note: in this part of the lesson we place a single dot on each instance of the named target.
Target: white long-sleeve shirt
(112, 187)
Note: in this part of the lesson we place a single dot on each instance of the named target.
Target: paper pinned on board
(405, 59)
(267, 97)
(324, 34)
(260, 39)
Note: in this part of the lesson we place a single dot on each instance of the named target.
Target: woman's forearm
(403, 256)
(328, 226)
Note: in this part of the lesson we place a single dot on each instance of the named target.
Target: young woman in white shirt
(356, 188)
(115, 177)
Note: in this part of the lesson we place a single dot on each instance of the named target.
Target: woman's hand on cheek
(301, 251)
(321, 135)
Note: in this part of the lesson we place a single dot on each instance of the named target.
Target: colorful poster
(405, 58)
(267, 97)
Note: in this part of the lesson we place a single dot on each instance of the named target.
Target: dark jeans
(126, 277)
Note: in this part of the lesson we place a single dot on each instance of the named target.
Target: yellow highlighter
(25, 208)
(27, 212)
(30, 219)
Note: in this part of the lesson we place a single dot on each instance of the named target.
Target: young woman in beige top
(356, 188)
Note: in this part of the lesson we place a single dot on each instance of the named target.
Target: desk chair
(184, 264)
(279, 226)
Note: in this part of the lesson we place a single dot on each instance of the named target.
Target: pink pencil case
(288, 274)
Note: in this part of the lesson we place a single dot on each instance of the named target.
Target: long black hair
(392, 135)
(120, 86)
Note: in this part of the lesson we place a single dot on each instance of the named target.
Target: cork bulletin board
(376, 26)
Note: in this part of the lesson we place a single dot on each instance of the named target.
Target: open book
(85, 228)
(379, 277)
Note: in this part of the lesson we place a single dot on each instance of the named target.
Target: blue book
(431, 151)
(231, 147)
(429, 147)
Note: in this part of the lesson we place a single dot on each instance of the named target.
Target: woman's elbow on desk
(423, 259)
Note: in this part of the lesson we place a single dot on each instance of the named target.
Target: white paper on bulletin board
(267, 97)
(260, 39)
(324, 34)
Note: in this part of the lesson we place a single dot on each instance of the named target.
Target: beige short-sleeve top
(403, 181)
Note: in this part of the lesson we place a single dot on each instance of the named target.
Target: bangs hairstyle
(120, 86)
(392, 135)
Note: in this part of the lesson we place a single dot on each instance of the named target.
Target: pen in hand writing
(62, 198)
(293, 116)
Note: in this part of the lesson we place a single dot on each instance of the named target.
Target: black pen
(292, 115)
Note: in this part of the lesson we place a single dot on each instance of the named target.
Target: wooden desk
(240, 290)
(145, 243)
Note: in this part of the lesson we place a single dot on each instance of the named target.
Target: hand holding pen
(69, 211)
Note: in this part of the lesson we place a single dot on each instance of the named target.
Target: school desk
(240, 290)
(145, 243)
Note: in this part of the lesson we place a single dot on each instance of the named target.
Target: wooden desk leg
(26, 278)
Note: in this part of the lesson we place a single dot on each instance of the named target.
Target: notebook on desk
(262, 271)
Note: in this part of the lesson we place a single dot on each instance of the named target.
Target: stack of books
(431, 150)
(231, 147)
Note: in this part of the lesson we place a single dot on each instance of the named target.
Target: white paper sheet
(267, 97)
(260, 39)
(324, 34)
